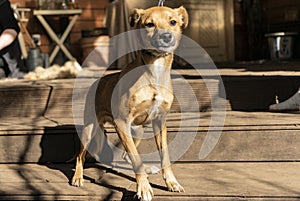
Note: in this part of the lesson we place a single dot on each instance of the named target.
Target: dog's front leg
(137, 133)
(144, 190)
(160, 131)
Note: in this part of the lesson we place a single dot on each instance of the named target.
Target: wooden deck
(202, 181)
(256, 155)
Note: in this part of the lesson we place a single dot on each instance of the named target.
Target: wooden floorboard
(233, 120)
(202, 181)
(245, 136)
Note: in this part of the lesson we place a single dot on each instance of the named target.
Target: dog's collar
(155, 53)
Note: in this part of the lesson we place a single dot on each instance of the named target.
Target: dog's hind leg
(160, 131)
(77, 179)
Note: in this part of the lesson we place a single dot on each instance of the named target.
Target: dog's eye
(149, 24)
(173, 22)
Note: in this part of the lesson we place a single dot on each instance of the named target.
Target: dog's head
(160, 27)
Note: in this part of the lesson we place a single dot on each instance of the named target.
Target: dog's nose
(166, 37)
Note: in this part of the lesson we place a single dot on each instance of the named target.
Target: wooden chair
(24, 37)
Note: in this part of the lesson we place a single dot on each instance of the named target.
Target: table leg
(60, 44)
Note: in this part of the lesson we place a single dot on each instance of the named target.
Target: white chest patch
(159, 67)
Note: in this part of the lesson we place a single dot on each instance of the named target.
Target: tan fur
(140, 95)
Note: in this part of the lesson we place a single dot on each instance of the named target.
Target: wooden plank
(246, 136)
(58, 12)
(45, 148)
(278, 3)
(60, 102)
(278, 11)
(234, 146)
(202, 181)
(22, 99)
(244, 93)
(253, 137)
(234, 121)
(24, 125)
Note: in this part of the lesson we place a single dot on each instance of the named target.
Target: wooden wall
(277, 11)
(240, 33)
(92, 16)
(277, 16)
(283, 15)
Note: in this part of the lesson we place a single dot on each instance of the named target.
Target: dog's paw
(145, 193)
(77, 181)
(144, 190)
(174, 186)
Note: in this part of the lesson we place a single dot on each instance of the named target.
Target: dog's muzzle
(164, 41)
(166, 38)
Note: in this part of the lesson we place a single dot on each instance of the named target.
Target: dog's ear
(183, 14)
(135, 16)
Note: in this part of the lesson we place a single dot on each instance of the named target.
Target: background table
(59, 41)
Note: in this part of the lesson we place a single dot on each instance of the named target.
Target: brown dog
(141, 94)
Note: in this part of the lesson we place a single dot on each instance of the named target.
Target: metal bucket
(281, 45)
(34, 59)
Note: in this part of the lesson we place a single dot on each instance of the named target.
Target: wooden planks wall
(240, 33)
(277, 16)
(93, 14)
(276, 11)
(283, 16)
